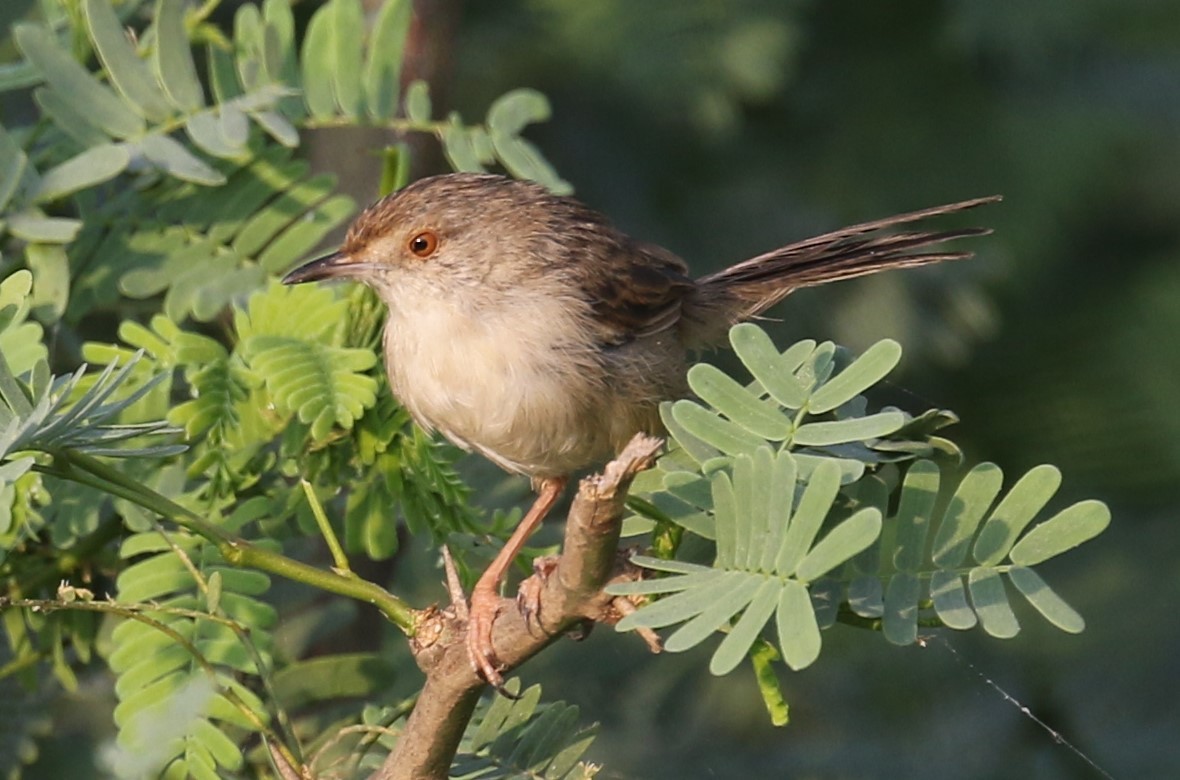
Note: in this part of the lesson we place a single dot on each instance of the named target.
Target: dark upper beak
(327, 267)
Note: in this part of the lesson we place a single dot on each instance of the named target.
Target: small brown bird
(524, 326)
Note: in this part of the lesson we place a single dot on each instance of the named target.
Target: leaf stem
(321, 519)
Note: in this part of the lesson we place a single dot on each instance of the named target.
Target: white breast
(515, 383)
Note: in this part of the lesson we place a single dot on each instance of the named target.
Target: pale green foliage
(786, 477)
(523, 738)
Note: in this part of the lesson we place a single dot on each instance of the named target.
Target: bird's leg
(485, 598)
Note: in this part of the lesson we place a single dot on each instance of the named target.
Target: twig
(571, 594)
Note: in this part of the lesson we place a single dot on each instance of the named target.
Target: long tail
(754, 285)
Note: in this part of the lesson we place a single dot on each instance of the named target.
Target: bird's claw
(485, 606)
(528, 596)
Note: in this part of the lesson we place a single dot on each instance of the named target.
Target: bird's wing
(637, 292)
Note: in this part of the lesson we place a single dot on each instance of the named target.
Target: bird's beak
(330, 266)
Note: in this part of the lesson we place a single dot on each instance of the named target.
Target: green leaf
(51, 275)
(713, 430)
(774, 372)
(322, 385)
(13, 163)
(69, 118)
(731, 399)
(510, 113)
(348, 31)
(417, 101)
(1048, 603)
(844, 541)
(277, 127)
(337, 676)
(991, 603)
(966, 509)
(250, 45)
(75, 87)
(690, 445)
(207, 131)
(737, 643)
(899, 618)
(382, 77)
(914, 510)
(317, 61)
(809, 516)
(266, 223)
(781, 489)
(128, 72)
(282, 62)
(798, 632)
(868, 369)
(950, 600)
(524, 161)
(175, 160)
(1017, 509)
(459, 147)
(725, 509)
(1064, 531)
(35, 227)
(823, 434)
(91, 167)
(305, 233)
(223, 75)
(175, 69)
(714, 610)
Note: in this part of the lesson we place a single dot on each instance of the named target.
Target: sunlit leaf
(731, 399)
(1014, 512)
(841, 543)
(914, 510)
(713, 430)
(774, 371)
(868, 369)
(35, 227)
(798, 632)
(821, 434)
(1064, 531)
(967, 507)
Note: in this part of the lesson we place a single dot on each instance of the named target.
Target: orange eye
(423, 244)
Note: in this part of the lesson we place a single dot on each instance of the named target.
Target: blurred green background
(723, 128)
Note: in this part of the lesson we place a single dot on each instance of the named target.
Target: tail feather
(755, 285)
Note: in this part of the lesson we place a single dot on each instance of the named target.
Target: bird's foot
(528, 596)
(485, 606)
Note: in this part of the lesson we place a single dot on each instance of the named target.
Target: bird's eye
(423, 244)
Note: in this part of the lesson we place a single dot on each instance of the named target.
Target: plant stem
(87, 470)
(321, 519)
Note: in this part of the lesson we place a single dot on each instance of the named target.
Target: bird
(524, 326)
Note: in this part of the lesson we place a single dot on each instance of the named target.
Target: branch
(571, 593)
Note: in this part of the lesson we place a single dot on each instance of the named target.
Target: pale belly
(512, 390)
